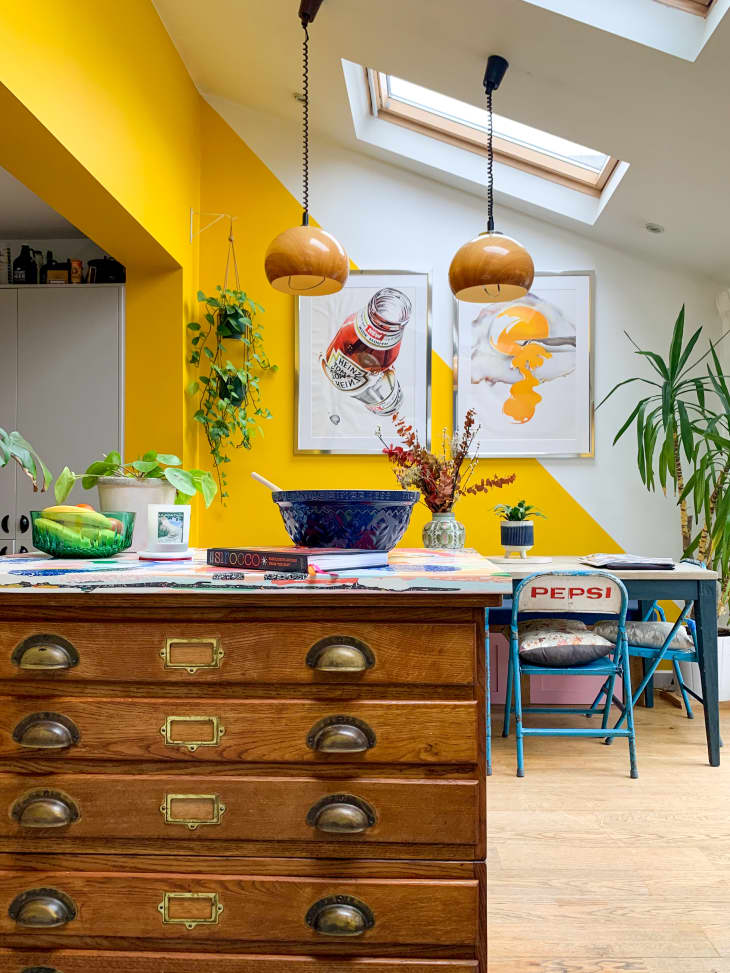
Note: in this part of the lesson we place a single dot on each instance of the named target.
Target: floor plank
(592, 872)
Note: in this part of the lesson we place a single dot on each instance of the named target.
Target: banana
(77, 517)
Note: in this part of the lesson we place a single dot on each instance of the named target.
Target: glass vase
(444, 532)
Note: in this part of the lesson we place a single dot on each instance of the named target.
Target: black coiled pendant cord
(305, 127)
(490, 165)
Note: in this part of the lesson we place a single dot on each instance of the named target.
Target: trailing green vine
(229, 395)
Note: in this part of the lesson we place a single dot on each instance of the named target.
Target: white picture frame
(329, 420)
(550, 412)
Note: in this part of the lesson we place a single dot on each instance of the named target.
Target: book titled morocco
(297, 560)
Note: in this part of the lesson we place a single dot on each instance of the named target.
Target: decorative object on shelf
(70, 532)
(492, 267)
(440, 478)
(229, 394)
(168, 532)
(14, 446)
(367, 520)
(362, 354)
(526, 369)
(306, 260)
(517, 531)
(155, 478)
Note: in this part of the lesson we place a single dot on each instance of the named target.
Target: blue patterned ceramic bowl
(373, 520)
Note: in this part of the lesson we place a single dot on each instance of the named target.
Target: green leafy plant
(669, 419)
(14, 447)
(520, 511)
(151, 466)
(230, 407)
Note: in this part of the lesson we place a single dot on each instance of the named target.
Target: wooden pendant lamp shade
(492, 268)
(305, 260)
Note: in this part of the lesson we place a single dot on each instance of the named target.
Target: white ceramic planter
(124, 493)
(691, 671)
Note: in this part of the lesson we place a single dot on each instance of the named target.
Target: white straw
(267, 483)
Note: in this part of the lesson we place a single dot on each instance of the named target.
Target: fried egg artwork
(527, 371)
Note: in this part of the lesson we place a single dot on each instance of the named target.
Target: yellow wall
(101, 119)
(236, 181)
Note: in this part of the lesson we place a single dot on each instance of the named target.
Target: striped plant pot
(517, 535)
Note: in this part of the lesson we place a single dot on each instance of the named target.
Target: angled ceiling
(24, 216)
(665, 115)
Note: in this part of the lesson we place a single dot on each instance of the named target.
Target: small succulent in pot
(517, 532)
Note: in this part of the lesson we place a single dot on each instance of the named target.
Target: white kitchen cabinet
(64, 372)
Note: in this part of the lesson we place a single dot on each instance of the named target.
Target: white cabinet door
(8, 410)
(69, 382)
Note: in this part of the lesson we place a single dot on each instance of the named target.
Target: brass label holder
(192, 823)
(217, 731)
(216, 908)
(166, 653)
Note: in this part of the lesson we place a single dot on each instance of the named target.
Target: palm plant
(14, 447)
(668, 418)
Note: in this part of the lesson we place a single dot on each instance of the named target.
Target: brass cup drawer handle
(341, 734)
(340, 915)
(42, 909)
(340, 653)
(40, 969)
(341, 814)
(44, 809)
(46, 731)
(44, 653)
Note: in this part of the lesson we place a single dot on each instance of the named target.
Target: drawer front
(92, 961)
(352, 916)
(68, 728)
(200, 809)
(308, 653)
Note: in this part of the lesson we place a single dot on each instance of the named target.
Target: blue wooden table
(685, 583)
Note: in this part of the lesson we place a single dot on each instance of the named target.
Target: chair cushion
(560, 649)
(553, 625)
(648, 635)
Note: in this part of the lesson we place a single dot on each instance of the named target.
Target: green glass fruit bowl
(72, 532)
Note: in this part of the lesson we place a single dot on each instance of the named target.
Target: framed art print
(363, 354)
(526, 368)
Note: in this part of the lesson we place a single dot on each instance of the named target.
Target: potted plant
(517, 531)
(154, 478)
(440, 478)
(683, 440)
(230, 408)
(14, 447)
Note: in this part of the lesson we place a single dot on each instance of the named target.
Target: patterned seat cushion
(560, 643)
(647, 635)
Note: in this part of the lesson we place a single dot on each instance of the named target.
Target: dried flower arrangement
(439, 478)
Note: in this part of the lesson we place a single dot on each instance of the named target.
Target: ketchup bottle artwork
(360, 358)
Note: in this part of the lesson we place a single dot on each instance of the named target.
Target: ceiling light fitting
(305, 260)
(491, 268)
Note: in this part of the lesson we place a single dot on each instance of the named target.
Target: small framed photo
(168, 527)
(362, 355)
(526, 368)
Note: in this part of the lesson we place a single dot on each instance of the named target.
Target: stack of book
(294, 560)
(629, 562)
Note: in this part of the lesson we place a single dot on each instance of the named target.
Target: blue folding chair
(571, 593)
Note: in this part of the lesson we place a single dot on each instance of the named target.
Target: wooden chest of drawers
(239, 784)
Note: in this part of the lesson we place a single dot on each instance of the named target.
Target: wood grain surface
(130, 652)
(254, 730)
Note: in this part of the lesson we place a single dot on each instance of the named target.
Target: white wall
(389, 218)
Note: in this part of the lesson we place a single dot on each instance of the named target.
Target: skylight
(516, 144)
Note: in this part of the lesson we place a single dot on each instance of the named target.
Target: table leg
(706, 621)
(645, 663)
(489, 694)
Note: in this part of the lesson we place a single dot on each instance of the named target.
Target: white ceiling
(24, 216)
(668, 117)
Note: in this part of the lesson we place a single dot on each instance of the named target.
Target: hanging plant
(229, 352)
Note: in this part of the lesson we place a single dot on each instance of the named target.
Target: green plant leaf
(169, 459)
(182, 480)
(64, 484)
(145, 466)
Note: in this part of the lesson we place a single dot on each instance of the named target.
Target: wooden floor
(592, 872)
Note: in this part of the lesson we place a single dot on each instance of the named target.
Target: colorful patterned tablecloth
(407, 570)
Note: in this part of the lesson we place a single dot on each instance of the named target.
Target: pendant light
(306, 260)
(492, 267)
